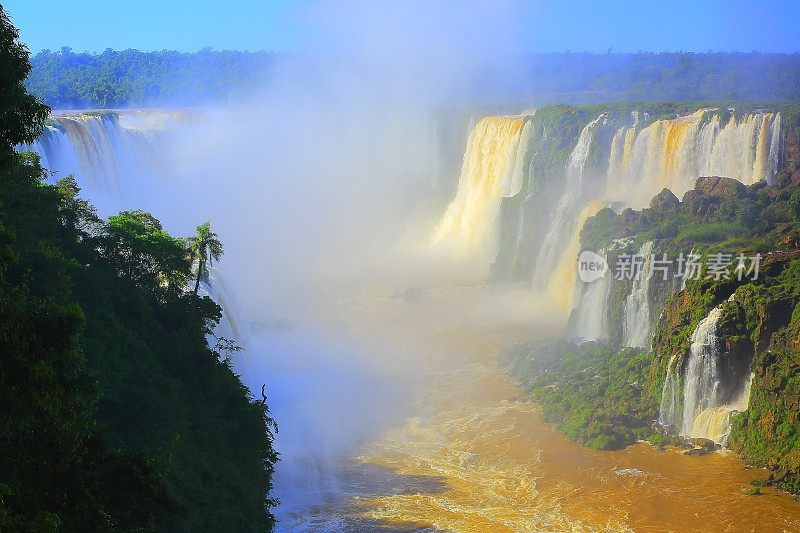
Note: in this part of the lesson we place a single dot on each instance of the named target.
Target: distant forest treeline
(66, 79)
(666, 76)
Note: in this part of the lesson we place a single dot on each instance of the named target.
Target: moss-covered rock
(605, 396)
(591, 392)
(768, 433)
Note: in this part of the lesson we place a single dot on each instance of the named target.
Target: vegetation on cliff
(593, 392)
(116, 415)
(555, 128)
(606, 396)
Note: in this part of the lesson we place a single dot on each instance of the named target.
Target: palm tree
(204, 248)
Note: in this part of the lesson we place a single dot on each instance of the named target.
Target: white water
(643, 159)
(705, 414)
(215, 287)
(643, 156)
(103, 150)
(492, 169)
(667, 153)
(591, 314)
(563, 222)
(668, 413)
(673, 153)
(636, 322)
(701, 378)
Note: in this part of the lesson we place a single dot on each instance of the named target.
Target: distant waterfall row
(674, 153)
(529, 183)
(103, 148)
(512, 206)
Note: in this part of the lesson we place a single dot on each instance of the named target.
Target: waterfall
(644, 156)
(636, 322)
(774, 154)
(621, 162)
(711, 393)
(562, 286)
(591, 318)
(668, 414)
(701, 379)
(215, 287)
(673, 153)
(492, 169)
(563, 222)
(517, 169)
(103, 149)
(714, 422)
(620, 156)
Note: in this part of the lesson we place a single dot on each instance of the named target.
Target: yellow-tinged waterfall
(643, 155)
(762, 148)
(674, 152)
(562, 283)
(676, 134)
(491, 170)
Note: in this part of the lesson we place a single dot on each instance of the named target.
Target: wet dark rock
(664, 200)
(696, 452)
(706, 444)
(629, 216)
(720, 187)
(710, 191)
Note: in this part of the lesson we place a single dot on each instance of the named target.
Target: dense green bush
(115, 415)
(591, 392)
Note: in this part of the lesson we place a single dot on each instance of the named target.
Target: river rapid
(468, 451)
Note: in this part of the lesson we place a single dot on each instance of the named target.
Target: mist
(405, 196)
(324, 185)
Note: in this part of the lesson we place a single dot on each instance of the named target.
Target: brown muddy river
(484, 460)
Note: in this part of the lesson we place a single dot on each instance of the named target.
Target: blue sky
(536, 26)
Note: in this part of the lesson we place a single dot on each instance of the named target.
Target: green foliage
(204, 248)
(682, 77)
(600, 229)
(116, 415)
(67, 79)
(759, 219)
(658, 439)
(768, 433)
(53, 459)
(592, 392)
(129, 77)
(22, 115)
(708, 233)
(144, 253)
